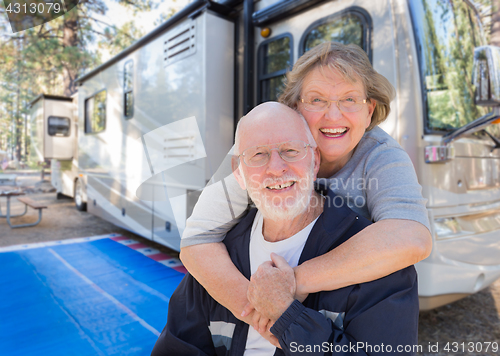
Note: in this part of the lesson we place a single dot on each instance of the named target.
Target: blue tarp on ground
(91, 298)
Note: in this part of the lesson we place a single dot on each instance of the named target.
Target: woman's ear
(371, 108)
(317, 161)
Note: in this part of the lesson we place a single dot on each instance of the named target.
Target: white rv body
(209, 81)
(127, 152)
(52, 122)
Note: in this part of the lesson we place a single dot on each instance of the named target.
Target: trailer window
(95, 113)
(447, 33)
(352, 25)
(59, 126)
(275, 58)
(128, 94)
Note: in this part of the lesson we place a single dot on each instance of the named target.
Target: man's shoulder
(240, 229)
(237, 243)
(336, 213)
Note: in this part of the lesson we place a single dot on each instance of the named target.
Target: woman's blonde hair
(353, 64)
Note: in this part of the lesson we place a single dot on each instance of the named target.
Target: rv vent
(180, 148)
(179, 44)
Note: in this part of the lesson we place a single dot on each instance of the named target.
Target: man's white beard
(278, 208)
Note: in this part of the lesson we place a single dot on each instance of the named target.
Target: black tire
(62, 196)
(79, 203)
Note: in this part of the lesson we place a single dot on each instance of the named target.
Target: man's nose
(276, 164)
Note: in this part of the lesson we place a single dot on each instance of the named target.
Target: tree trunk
(18, 125)
(495, 24)
(70, 43)
(17, 120)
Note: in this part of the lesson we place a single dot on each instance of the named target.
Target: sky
(118, 14)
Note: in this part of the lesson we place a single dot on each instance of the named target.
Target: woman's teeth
(334, 132)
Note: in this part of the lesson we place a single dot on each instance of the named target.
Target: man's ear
(235, 165)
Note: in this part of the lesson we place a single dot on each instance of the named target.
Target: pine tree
(50, 57)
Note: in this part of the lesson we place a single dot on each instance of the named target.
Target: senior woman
(343, 99)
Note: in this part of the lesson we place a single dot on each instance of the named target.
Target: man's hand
(272, 288)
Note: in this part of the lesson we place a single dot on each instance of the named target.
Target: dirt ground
(61, 220)
(475, 319)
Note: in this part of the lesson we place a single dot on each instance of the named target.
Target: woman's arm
(221, 205)
(375, 252)
(399, 237)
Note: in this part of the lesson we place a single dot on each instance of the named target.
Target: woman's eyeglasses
(348, 104)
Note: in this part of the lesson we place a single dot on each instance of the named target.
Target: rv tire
(62, 196)
(79, 203)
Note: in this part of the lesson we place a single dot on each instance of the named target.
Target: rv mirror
(486, 75)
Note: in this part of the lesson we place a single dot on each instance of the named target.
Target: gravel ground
(61, 220)
(475, 319)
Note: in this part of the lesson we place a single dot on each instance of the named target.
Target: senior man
(277, 164)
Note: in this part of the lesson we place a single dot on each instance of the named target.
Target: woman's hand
(261, 324)
(271, 338)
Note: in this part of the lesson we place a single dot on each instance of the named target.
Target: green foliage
(48, 58)
(451, 34)
(114, 40)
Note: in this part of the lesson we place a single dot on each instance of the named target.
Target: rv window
(344, 29)
(95, 113)
(128, 85)
(275, 57)
(447, 33)
(59, 126)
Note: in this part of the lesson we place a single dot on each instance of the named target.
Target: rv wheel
(79, 203)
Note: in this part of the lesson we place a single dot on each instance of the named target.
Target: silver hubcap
(78, 193)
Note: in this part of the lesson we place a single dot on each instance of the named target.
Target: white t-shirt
(260, 251)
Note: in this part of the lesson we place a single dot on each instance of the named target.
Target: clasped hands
(271, 291)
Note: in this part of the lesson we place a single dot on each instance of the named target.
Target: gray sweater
(378, 182)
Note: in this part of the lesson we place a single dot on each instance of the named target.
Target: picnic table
(8, 192)
(8, 179)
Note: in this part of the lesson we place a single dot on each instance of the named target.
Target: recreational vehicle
(154, 123)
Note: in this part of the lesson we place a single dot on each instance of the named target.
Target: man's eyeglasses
(348, 104)
(290, 151)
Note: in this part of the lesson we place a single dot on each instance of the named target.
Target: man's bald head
(281, 188)
(272, 118)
